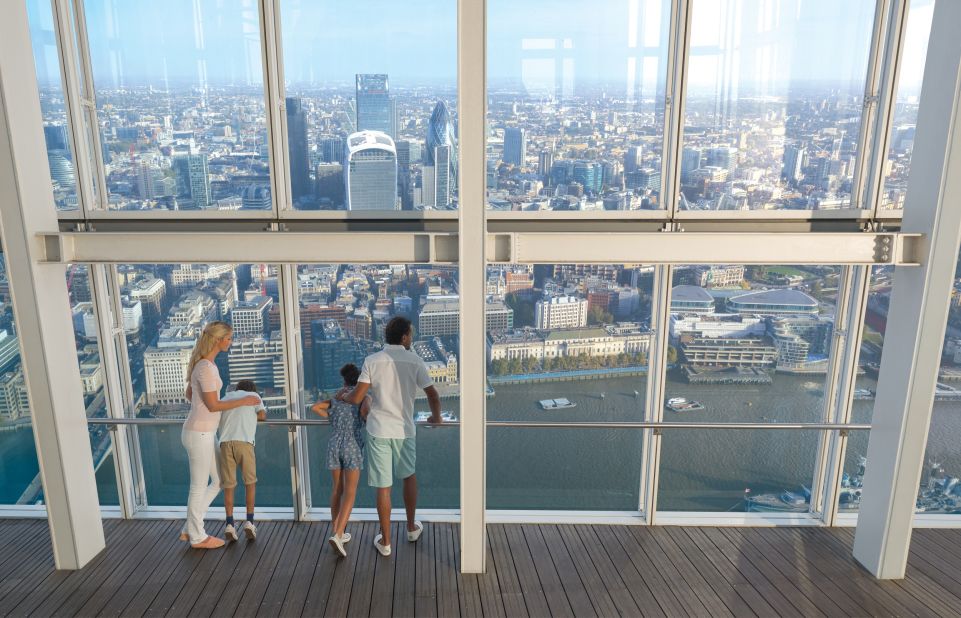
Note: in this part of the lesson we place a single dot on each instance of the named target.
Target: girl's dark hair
(350, 373)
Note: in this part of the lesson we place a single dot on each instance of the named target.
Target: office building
(515, 146)
(794, 161)
(374, 105)
(258, 358)
(332, 150)
(249, 318)
(370, 177)
(560, 312)
(193, 180)
(297, 147)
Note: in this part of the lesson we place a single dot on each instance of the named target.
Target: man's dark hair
(350, 373)
(396, 329)
(247, 385)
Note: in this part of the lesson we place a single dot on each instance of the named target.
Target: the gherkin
(440, 132)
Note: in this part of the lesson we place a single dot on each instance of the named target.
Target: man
(238, 428)
(391, 377)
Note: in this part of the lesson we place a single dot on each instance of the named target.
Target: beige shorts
(237, 453)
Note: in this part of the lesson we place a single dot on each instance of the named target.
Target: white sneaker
(383, 549)
(412, 536)
(250, 530)
(337, 542)
(230, 533)
(345, 537)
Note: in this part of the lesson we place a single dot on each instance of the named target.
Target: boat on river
(682, 404)
(556, 404)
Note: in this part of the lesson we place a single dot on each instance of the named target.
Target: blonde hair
(209, 338)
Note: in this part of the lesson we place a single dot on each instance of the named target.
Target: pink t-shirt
(204, 379)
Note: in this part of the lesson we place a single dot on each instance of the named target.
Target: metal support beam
(246, 247)
(827, 248)
(40, 306)
(919, 308)
(472, 102)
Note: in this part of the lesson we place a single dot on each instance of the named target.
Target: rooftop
(775, 297)
(690, 293)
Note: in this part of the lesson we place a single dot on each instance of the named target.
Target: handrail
(533, 424)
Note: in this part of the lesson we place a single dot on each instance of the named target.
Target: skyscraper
(633, 158)
(515, 146)
(370, 174)
(441, 156)
(192, 180)
(544, 162)
(299, 158)
(793, 163)
(332, 149)
(375, 108)
(690, 162)
(403, 175)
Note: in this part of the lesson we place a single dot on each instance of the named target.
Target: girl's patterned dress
(345, 448)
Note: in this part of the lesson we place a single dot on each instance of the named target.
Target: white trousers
(201, 447)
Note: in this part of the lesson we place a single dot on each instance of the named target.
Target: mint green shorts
(387, 457)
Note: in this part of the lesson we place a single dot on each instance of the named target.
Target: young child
(345, 454)
(237, 431)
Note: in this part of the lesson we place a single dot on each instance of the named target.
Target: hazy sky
(544, 44)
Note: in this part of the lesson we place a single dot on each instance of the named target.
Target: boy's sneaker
(337, 542)
(413, 535)
(383, 549)
(230, 533)
(250, 530)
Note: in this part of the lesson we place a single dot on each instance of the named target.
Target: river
(587, 469)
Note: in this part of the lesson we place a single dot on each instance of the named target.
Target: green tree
(671, 354)
(596, 315)
(523, 310)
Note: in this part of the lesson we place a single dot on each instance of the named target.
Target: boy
(237, 430)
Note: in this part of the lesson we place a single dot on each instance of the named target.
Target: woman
(200, 430)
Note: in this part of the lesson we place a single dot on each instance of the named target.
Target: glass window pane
(176, 301)
(19, 468)
(748, 344)
(765, 471)
(371, 104)
(56, 130)
(566, 342)
(939, 492)
(898, 164)
(576, 112)
(772, 115)
(180, 99)
(92, 376)
(343, 310)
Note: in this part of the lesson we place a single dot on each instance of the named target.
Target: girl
(345, 454)
(200, 429)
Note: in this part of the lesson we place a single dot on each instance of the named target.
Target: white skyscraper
(370, 174)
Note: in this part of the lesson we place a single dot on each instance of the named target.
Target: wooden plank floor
(534, 570)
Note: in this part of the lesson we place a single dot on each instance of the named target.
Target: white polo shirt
(395, 374)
